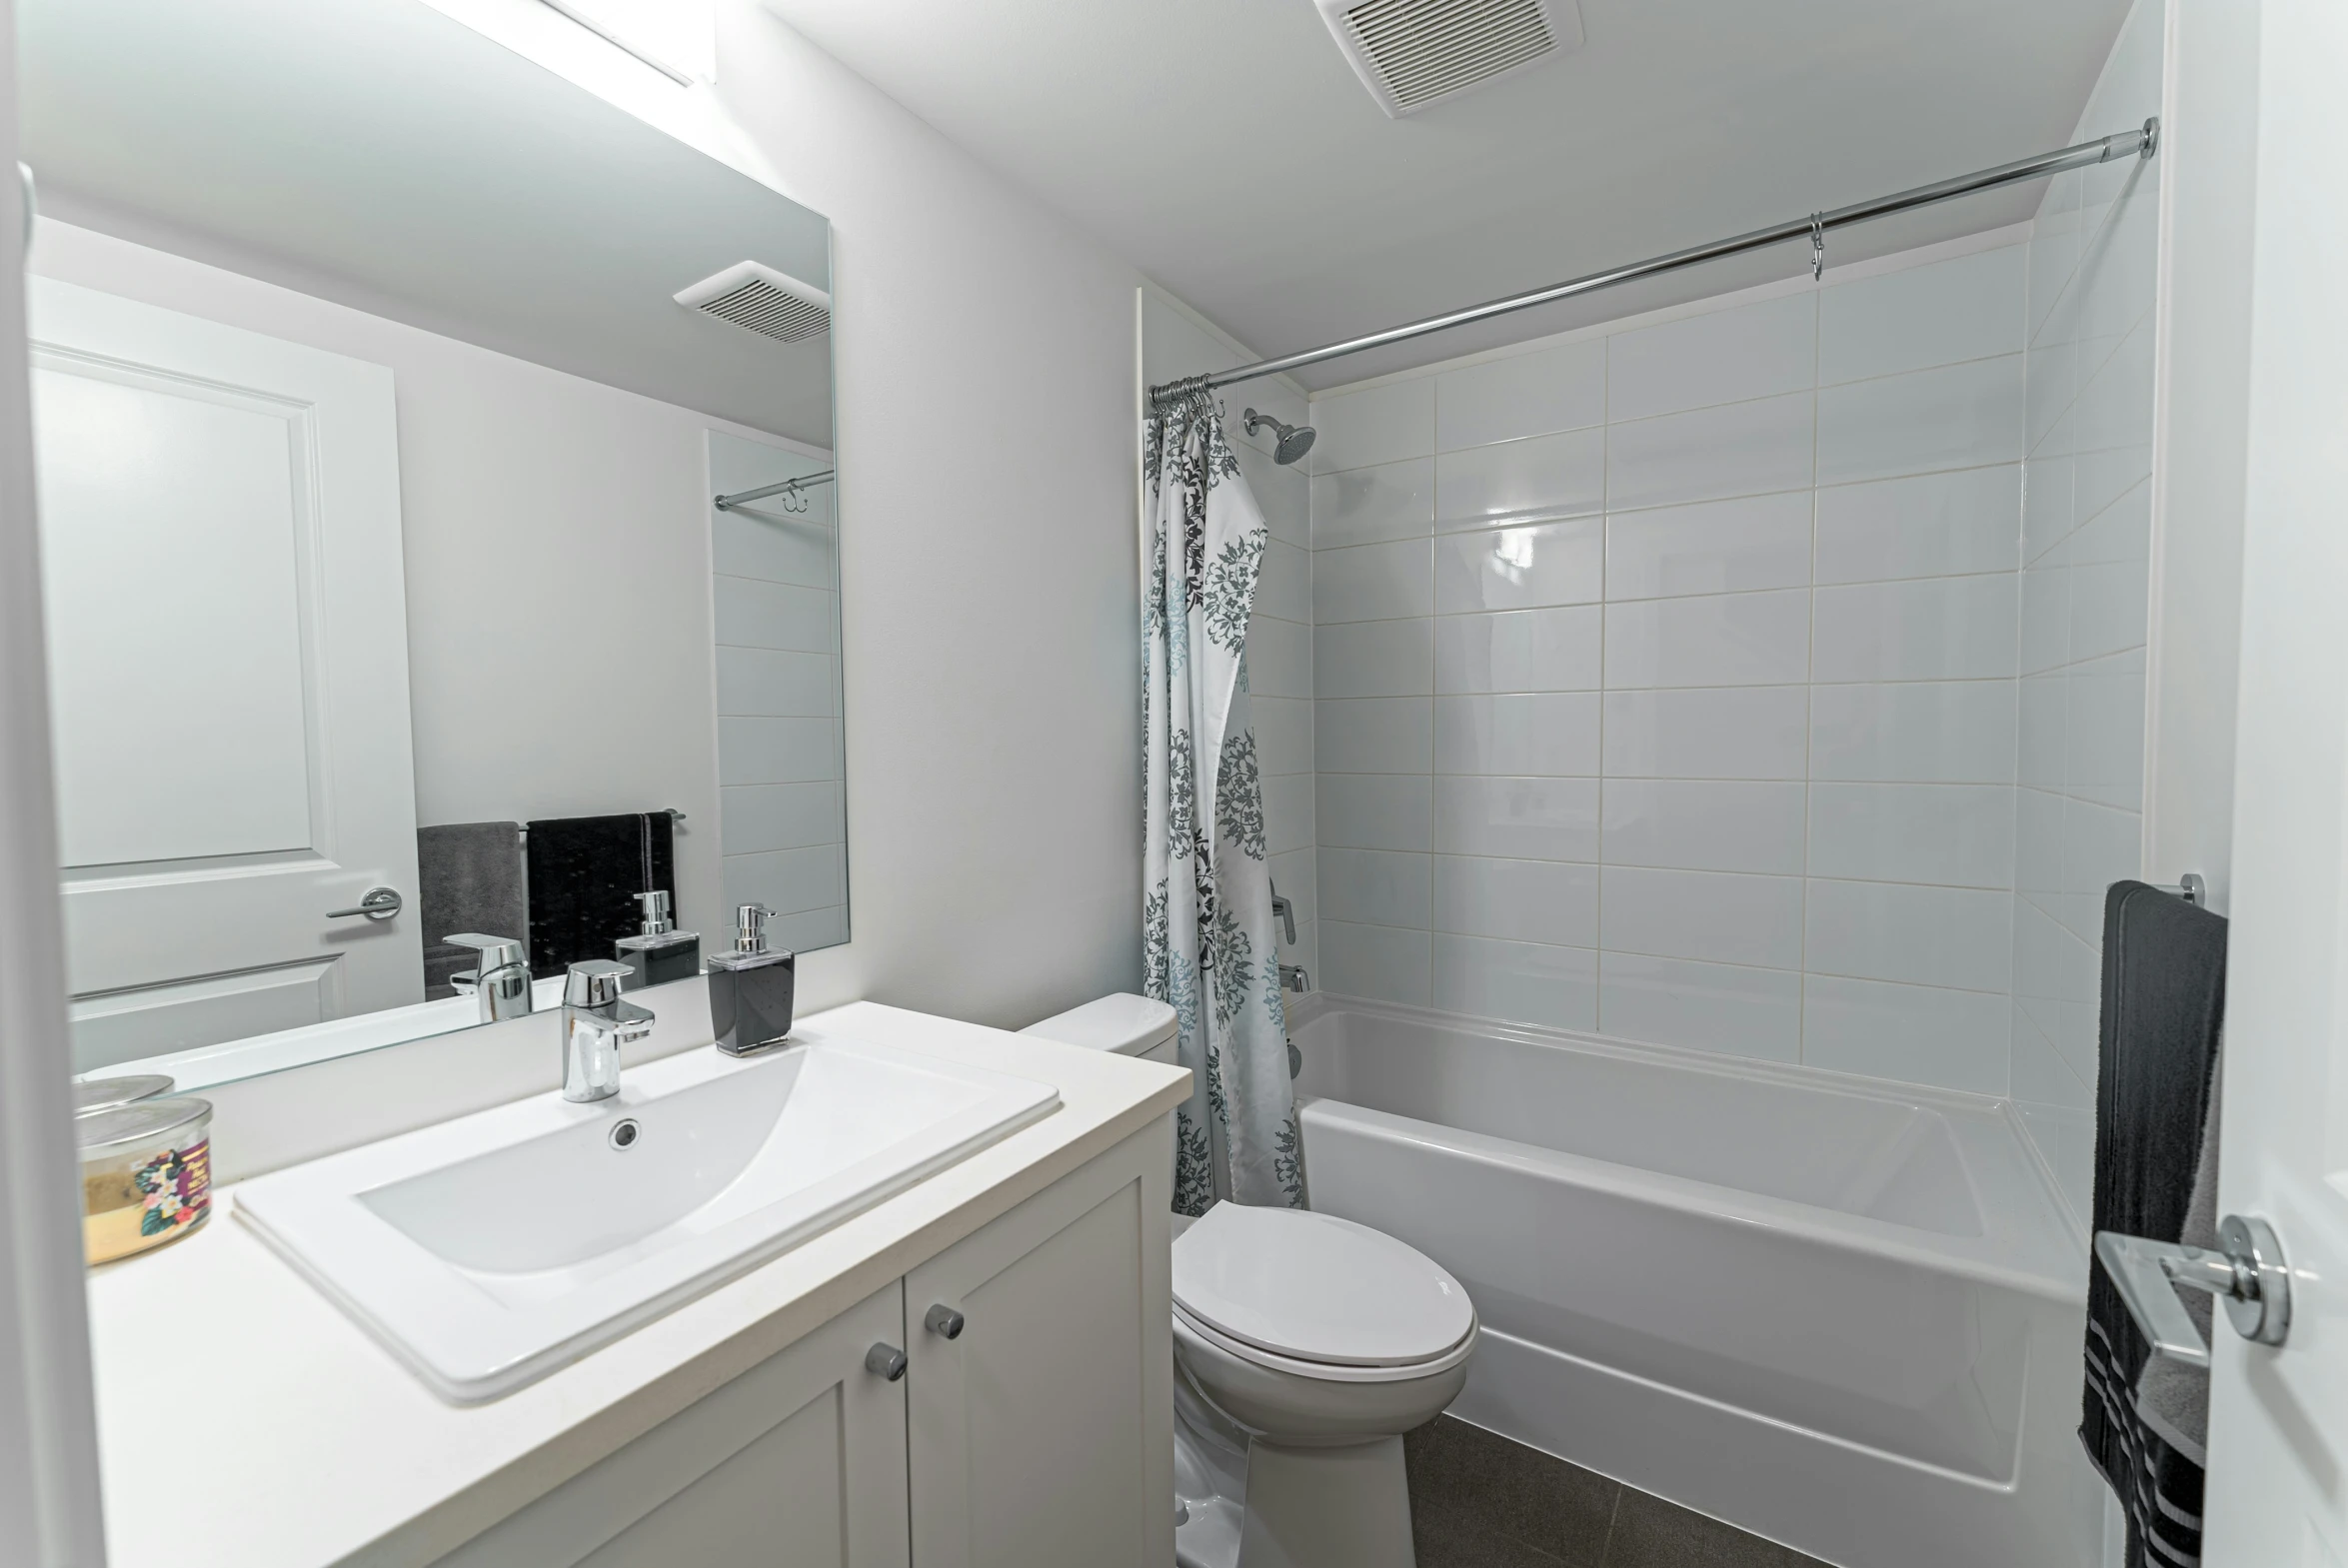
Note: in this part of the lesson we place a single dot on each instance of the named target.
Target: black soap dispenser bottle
(657, 953)
(751, 987)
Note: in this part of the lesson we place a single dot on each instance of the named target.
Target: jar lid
(141, 1123)
(93, 1095)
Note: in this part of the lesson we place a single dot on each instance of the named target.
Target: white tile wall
(1687, 710)
(2085, 549)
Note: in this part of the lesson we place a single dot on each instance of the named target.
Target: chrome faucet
(596, 1024)
(500, 978)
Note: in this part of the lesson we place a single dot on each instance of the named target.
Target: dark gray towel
(471, 880)
(585, 873)
(2164, 988)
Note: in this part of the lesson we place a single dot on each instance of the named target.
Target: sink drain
(624, 1132)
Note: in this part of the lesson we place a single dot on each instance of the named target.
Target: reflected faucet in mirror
(596, 1024)
(500, 981)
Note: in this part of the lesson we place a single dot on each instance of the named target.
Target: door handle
(2247, 1272)
(377, 903)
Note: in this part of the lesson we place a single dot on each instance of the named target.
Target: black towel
(469, 878)
(2164, 986)
(585, 873)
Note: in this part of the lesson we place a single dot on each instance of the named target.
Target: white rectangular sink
(487, 1251)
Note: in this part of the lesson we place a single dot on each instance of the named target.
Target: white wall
(2208, 202)
(1175, 342)
(532, 503)
(987, 449)
(2087, 547)
(1666, 674)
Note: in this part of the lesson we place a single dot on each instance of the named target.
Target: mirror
(439, 526)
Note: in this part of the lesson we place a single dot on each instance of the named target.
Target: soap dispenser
(751, 987)
(657, 953)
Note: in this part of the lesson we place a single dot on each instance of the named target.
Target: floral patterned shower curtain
(1207, 915)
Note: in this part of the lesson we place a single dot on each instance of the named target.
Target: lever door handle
(2247, 1273)
(377, 903)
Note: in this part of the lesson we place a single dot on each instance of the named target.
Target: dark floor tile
(1447, 1537)
(1651, 1533)
(1476, 1480)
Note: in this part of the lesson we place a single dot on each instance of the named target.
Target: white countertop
(245, 1422)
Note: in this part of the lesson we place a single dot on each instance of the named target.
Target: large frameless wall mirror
(439, 530)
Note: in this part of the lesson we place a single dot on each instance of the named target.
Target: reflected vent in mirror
(1414, 53)
(763, 301)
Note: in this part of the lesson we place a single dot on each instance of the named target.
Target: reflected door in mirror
(220, 530)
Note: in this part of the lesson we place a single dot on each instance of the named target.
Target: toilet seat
(1322, 1371)
(1318, 1296)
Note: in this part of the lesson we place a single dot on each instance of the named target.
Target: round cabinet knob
(943, 1321)
(887, 1360)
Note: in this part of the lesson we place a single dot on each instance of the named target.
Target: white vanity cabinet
(1039, 1435)
(798, 1463)
(1042, 1432)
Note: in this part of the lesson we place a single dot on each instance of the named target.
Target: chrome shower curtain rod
(2141, 143)
(729, 503)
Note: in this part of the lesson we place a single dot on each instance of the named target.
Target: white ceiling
(1227, 149)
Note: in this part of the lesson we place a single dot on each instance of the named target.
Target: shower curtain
(1206, 923)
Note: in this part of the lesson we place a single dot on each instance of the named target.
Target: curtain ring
(1817, 247)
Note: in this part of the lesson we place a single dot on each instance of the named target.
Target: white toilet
(1304, 1347)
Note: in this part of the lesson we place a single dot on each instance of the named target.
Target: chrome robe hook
(1817, 245)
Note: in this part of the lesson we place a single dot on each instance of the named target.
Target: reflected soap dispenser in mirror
(751, 987)
(657, 953)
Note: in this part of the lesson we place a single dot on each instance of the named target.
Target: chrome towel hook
(1817, 245)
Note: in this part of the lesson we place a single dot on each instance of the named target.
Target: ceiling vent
(1414, 53)
(764, 300)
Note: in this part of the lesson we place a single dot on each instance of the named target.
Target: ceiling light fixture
(580, 15)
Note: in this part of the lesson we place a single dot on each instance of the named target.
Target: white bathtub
(1841, 1313)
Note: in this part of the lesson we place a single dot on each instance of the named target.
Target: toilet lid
(1313, 1287)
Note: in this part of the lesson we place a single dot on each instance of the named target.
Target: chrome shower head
(1294, 440)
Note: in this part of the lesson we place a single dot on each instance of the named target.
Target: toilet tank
(1129, 1024)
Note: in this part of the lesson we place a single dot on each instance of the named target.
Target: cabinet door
(1042, 1434)
(798, 1463)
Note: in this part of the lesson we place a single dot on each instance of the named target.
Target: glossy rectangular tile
(1712, 547)
(1717, 916)
(1555, 649)
(1726, 640)
(1365, 506)
(1549, 902)
(1740, 449)
(1706, 1007)
(1555, 986)
(1705, 824)
(1708, 732)
(1549, 733)
(1536, 394)
(1534, 818)
(1930, 525)
(1373, 659)
(1726, 356)
(1521, 568)
(1537, 477)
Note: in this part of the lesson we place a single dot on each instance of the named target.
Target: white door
(1041, 1407)
(228, 665)
(2278, 1475)
(798, 1463)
